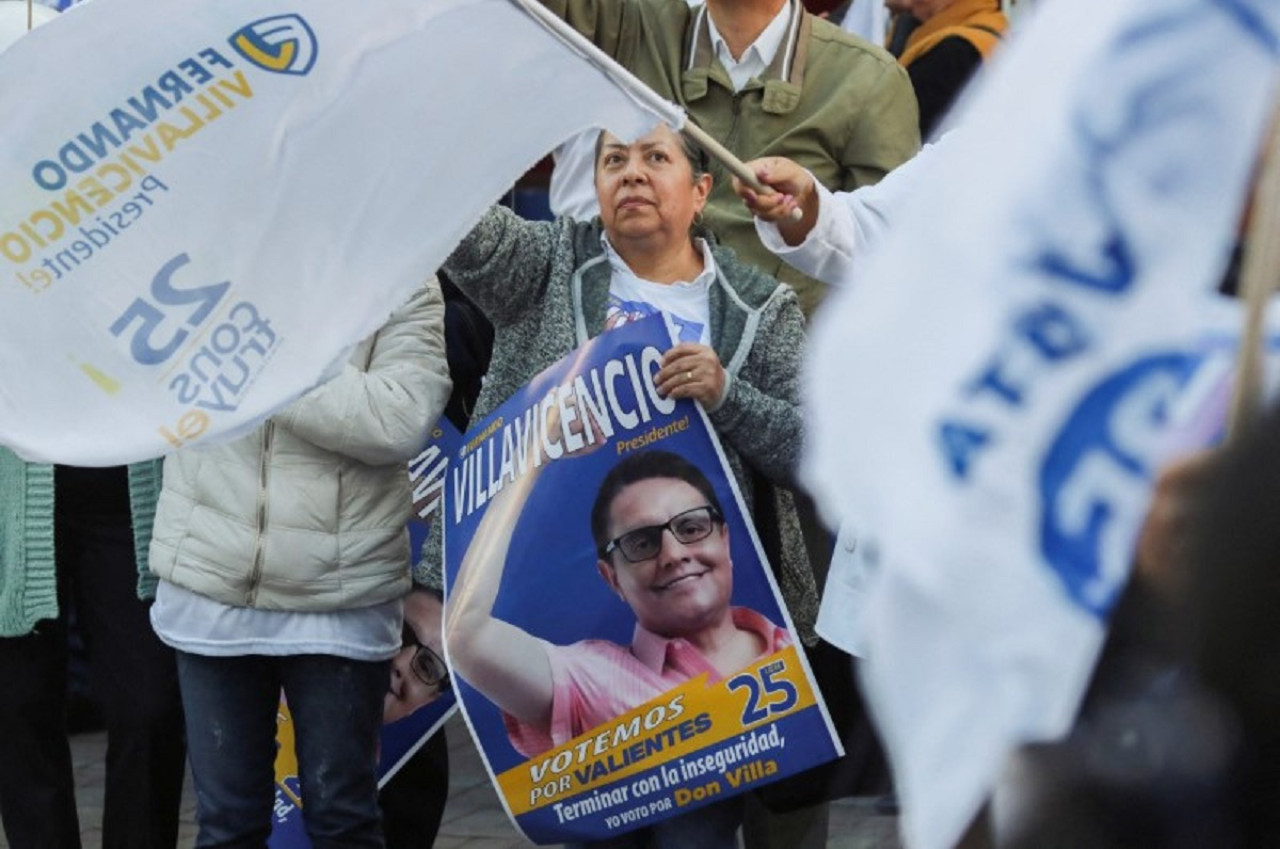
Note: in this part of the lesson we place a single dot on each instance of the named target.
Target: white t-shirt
(685, 305)
(197, 624)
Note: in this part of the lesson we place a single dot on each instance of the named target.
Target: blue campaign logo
(282, 44)
(1095, 477)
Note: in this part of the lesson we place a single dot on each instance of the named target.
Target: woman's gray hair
(695, 154)
(698, 162)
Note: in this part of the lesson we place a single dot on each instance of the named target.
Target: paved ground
(473, 818)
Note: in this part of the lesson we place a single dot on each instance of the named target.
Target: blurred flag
(206, 201)
(989, 401)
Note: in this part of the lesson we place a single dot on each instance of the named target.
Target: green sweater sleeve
(28, 579)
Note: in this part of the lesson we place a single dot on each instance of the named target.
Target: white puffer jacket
(308, 512)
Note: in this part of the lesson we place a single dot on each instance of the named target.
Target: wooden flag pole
(30, 18)
(1259, 279)
(735, 165)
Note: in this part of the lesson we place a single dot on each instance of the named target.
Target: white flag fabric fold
(207, 202)
(989, 398)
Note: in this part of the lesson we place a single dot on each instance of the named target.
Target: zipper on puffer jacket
(264, 467)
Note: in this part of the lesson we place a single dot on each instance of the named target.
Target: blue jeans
(712, 827)
(336, 705)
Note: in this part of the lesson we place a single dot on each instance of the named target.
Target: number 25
(150, 316)
(758, 688)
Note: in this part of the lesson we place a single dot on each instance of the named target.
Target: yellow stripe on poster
(685, 719)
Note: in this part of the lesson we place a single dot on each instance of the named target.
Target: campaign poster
(414, 707)
(600, 575)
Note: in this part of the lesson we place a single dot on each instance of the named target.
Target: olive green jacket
(837, 105)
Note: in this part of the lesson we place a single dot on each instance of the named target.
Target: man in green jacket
(765, 78)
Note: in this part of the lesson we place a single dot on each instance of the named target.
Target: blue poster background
(550, 587)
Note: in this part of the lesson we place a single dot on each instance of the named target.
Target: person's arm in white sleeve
(836, 228)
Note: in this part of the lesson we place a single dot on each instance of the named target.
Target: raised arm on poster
(616, 637)
(207, 220)
(504, 662)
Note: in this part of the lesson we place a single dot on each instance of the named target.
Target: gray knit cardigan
(28, 574)
(545, 287)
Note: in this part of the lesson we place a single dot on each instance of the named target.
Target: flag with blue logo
(205, 203)
(990, 398)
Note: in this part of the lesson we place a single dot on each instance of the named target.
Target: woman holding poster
(548, 287)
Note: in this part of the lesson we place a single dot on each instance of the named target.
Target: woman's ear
(701, 188)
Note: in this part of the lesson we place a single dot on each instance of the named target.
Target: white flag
(205, 202)
(989, 396)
